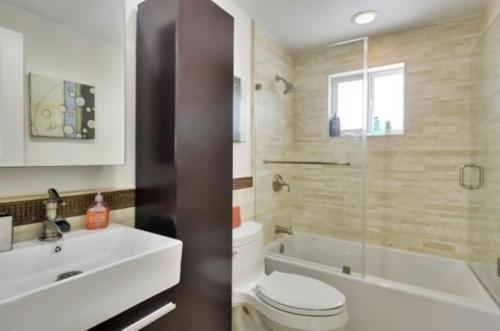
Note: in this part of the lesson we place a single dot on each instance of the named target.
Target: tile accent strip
(32, 211)
(242, 183)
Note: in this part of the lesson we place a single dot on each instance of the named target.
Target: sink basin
(85, 278)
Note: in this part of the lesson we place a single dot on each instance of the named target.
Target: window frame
(335, 79)
(333, 95)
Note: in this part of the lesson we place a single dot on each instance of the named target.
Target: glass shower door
(310, 134)
(484, 200)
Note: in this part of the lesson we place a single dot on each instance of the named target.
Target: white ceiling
(301, 24)
(104, 19)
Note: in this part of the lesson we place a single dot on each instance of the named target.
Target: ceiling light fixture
(365, 17)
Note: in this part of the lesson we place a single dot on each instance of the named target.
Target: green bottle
(376, 126)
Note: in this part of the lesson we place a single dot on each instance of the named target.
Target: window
(385, 102)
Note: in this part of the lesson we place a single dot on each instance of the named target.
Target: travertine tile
(413, 199)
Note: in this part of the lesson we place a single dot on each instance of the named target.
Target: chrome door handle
(147, 320)
(480, 183)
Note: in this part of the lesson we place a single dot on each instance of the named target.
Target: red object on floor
(236, 217)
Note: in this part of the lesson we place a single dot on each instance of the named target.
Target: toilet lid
(246, 233)
(300, 295)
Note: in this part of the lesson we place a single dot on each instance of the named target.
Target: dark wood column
(184, 150)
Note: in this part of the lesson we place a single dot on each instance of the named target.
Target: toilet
(279, 301)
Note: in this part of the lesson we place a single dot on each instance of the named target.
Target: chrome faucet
(283, 229)
(51, 231)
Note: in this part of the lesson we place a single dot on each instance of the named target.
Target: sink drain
(68, 274)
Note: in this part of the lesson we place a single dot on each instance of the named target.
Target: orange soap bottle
(97, 214)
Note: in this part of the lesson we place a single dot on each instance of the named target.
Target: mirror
(62, 82)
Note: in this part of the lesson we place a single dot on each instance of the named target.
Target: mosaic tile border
(242, 183)
(31, 211)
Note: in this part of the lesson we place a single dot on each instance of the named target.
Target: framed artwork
(61, 108)
(239, 116)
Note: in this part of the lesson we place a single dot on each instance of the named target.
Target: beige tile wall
(414, 201)
(326, 200)
(414, 198)
(273, 115)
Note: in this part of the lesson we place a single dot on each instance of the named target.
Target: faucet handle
(54, 200)
(279, 183)
(54, 196)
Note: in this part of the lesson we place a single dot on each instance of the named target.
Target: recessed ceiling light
(365, 17)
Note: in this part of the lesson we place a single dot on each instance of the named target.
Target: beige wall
(414, 201)
(326, 200)
(273, 125)
(491, 13)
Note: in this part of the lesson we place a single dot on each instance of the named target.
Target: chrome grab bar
(480, 183)
(343, 164)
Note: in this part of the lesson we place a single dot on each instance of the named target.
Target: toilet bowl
(280, 301)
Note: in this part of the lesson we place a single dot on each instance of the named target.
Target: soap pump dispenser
(97, 214)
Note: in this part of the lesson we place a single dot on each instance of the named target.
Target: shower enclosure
(295, 103)
(389, 142)
(484, 198)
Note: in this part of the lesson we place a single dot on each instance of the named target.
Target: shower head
(289, 87)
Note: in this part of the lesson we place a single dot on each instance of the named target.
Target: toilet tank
(248, 254)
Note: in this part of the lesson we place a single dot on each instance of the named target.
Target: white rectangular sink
(120, 267)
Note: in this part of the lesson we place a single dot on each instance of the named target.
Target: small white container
(6, 232)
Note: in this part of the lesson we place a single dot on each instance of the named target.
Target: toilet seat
(296, 320)
(300, 295)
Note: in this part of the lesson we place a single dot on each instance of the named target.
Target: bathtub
(400, 291)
